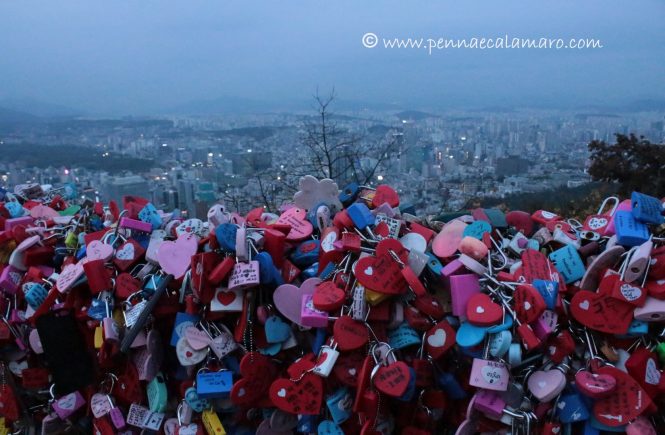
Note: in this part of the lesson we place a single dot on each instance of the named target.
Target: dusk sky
(140, 57)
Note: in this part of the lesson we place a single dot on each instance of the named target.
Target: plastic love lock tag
(69, 276)
(196, 338)
(229, 300)
(445, 243)
(601, 313)
(529, 304)
(67, 405)
(310, 316)
(198, 404)
(546, 385)
(477, 229)
(100, 404)
(391, 379)
(175, 257)
(499, 343)
(482, 311)
(350, 334)
(276, 330)
(628, 402)
(210, 385)
(325, 361)
(469, 335)
(303, 397)
(244, 275)
(288, 298)
(257, 373)
(490, 375)
(189, 227)
(595, 385)
(328, 297)
(96, 250)
(296, 218)
(380, 274)
(187, 355)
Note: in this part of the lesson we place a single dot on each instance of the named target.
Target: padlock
(244, 275)
(629, 231)
(67, 405)
(310, 316)
(326, 360)
(211, 385)
(647, 209)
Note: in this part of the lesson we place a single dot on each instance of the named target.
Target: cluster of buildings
(437, 161)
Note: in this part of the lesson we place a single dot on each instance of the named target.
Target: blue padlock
(403, 336)
(306, 253)
(349, 194)
(271, 349)
(319, 340)
(448, 383)
(360, 215)
(339, 404)
(593, 422)
(506, 324)
(646, 208)
(469, 335)
(637, 328)
(571, 409)
(629, 231)
(568, 263)
(496, 217)
(151, 284)
(411, 388)
(477, 229)
(212, 385)
(226, 236)
(267, 271)
(548, 290)
(35, 294)
(434, 265)
(589, 429)
(328, 271)
(150, 215)
(328, 427)
(307, 423)
(311, 272)
(15, 209)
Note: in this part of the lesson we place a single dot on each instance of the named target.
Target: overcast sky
(131, 56)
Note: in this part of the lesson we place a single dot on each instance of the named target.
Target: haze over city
(154, 57)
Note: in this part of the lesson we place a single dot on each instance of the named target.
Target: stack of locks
(346, 313)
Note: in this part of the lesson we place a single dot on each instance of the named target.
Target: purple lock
(10, 279)
(10, 224)
(311, 316)
(462, 287)
(69, 404)
(133, 224)
(489, 403)
(545, 324)
(455, 267)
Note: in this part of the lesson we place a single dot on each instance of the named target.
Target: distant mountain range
(31, 110)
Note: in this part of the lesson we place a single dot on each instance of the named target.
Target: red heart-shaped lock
(384, 247)
(328, 297)
(350, 334)
(482, 311)
(257, 372)
(629, 293)
(380, 274)
(429, 306)
(303, 397)
(383, 194)
(392, 379)
(643, 367)
(601, 313)
(529, 303)
(439, 339)
(127, 389)
(560, 346)
(627, 403)
(417, 319)
(125, 285)
(347, 368)
(595, 385)
(535, 265)
(302, 365)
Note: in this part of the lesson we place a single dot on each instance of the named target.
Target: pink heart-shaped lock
(96, 250)
(69, 275)
(175, 257)
(546, 385)
(296, 217)
(445, 243)
(288, 298)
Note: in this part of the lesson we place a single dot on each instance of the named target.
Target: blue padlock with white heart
(306, 253)
(570, 408)
(403, 336)
(339, 405)
(549, 290)
(195, 402)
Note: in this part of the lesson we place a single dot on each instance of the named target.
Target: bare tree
(336, 153)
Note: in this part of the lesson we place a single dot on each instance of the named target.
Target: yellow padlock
(212, 423)
(99, 337)
(374, 298)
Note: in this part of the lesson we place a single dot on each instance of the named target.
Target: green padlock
(157, 394)
(660, 350)
(70, 211)
(71, 240)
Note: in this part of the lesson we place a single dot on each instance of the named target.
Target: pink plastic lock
(310, 316)
(625, 205)
(10, 279)
(462, 287)
(137, 225)
(69, 404)
(10, 224)
(545, 324)
(489, 403)
(490, 375)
